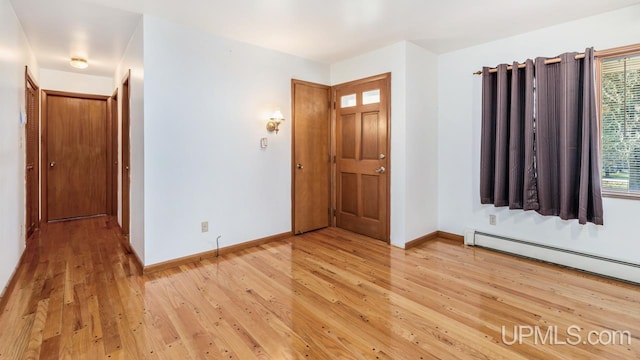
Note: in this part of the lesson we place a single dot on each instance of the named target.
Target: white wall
(206, 103)
(133, 59)
(75, 82)
(421, 143)
(459, 141)
(413, 132)
(15, 53)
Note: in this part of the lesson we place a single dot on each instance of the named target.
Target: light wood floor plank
(328, 294)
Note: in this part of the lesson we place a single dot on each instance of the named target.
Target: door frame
(334, 192)
(112, 114)
(125, 162)
(36, 167)
(44, 150)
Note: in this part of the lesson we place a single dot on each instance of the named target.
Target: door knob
(381, 170)
(382, 156)
(299, 166)
(52, 164)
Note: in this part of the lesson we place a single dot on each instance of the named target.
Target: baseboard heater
(613, 268)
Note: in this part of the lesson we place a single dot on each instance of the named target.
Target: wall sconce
(79, 63)
(274, 121)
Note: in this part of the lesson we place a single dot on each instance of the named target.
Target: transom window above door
(371, 97)
(348, 100)
(367, 97)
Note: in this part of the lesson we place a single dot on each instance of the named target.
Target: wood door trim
(75, 95)
(44, 210)
(113, 151)
(126, 162)
(363, 81)
(30, 77)
(327, 88)
(387, 79)
(36, 168)
(109, 155)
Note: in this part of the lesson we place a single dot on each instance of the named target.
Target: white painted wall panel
(421, 143)
(207, 100)
(133, 59)
(75, 82)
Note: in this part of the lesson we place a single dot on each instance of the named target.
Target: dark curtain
(530, 186)
(547, 163)
(488, 135)
(548, 111)
(507, 150)
(590, 193)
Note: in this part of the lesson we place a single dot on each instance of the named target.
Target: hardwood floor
(328, 294)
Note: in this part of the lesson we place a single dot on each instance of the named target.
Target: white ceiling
(322, 30)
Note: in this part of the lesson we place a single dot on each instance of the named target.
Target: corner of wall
(133, 59)
(421, 142)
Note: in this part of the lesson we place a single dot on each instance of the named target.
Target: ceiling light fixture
(79, 63)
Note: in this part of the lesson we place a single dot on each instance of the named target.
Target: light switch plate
(264, 142)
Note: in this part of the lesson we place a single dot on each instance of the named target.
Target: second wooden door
(362, 151)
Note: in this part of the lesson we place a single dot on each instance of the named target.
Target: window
(348, 100)
(371, 97)
(620, 123)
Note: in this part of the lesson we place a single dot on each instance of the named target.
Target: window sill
(621, 195)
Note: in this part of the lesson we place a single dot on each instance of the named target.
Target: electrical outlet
(492, 219)
(204, 226)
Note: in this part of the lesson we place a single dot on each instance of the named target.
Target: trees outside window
(620, 124)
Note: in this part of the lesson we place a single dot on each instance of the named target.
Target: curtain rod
(608, 52)
(546, 62)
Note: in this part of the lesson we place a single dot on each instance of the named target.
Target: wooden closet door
(311, 166)
(76, 156)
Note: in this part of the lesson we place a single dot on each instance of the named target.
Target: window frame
(628, 50)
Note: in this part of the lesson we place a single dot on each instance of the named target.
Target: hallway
(73, 293)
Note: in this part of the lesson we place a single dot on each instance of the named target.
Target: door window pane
(371, 97)
(348, 100)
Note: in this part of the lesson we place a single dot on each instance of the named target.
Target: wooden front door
(32, 155)
(76, 167)
(362, 156)
(311, 158)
